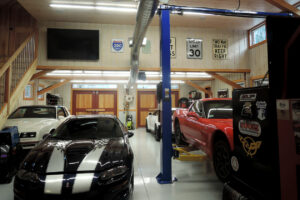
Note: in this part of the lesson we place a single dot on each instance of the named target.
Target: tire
(157, 133)
(221, 160)
(147, 130)
(178, 135)
(131, 189)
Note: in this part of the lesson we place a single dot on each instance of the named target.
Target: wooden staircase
(15, 74)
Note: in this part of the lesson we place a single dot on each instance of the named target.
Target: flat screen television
(72, 44)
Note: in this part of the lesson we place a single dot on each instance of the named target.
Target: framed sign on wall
(194, 48)
(117, 45)
(220, 49)
(173, 47)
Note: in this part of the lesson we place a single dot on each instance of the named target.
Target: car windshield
(34, 112)
(221, 109)
(220, 113)
(88, 128)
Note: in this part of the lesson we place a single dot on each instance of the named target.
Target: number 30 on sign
(194, 48)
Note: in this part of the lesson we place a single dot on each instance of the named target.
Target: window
(28, 92)
(88, 128)
(33, 112)
(257, 35)
(41, 97)
(61, 112)
(258, 82)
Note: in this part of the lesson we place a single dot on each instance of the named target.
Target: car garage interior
(149, 99)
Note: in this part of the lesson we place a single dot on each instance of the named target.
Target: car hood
(72, 156)
(30, 124)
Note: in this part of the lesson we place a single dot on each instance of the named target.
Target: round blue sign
(117, 45)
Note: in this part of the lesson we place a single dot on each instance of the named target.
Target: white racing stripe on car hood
(89, 163)
(56, 162)
(53, 184)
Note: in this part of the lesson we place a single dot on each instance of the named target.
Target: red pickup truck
(207, 125)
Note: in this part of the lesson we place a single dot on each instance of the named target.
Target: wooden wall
(237, 51)
(258, 60)
(16, 24)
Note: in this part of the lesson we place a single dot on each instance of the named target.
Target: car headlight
(28, 135)
(27, 176)
(113, 174)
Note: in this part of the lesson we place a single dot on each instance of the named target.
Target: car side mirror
(130, 134)
(61, 117)
(46, 135)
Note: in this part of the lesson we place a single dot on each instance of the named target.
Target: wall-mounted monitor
(72, 44)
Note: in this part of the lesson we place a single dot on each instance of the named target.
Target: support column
(165, 175)
(7, 89)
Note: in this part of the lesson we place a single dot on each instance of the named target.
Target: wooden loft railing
(15, 75)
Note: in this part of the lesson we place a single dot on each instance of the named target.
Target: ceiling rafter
(225, 80)
(285, 6)
(52, 87)
(115, 78)
(101, 68)
(40, 74)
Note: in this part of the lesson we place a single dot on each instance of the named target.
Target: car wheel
(131, 188)
(178, 135)
(221, 160)
(147, 130)
(157, 133)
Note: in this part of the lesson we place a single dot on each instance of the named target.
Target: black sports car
(87, 157)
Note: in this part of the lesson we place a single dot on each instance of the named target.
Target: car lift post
(165, 175)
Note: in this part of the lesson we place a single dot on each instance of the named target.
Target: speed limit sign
(194, 48)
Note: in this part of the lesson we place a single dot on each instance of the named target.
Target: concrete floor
(196, 180)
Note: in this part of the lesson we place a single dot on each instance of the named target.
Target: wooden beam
(283, 5)
(199, 88)
(141, 69)
(115, 78)
(40, 74)
(56, 85)
(225, 80)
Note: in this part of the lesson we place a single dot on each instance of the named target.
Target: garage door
(87, 102)
(147, 103)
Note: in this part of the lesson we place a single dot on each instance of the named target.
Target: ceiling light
(90, 7)
(119, 5)
(73, 2)
(195, 13)
(72, 6)
(120, 9)
(177, 81)
(99, 81)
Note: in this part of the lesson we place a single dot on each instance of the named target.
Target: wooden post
(7, 89)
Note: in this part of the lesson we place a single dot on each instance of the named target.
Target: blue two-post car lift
(167, 152)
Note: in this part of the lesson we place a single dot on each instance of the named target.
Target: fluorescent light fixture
(195, 13)
(73, 2)
(90, 7)
(61, 71)
(119, 5)
(177, 81)
(119, 9)
(152, 73)
(99, 81)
